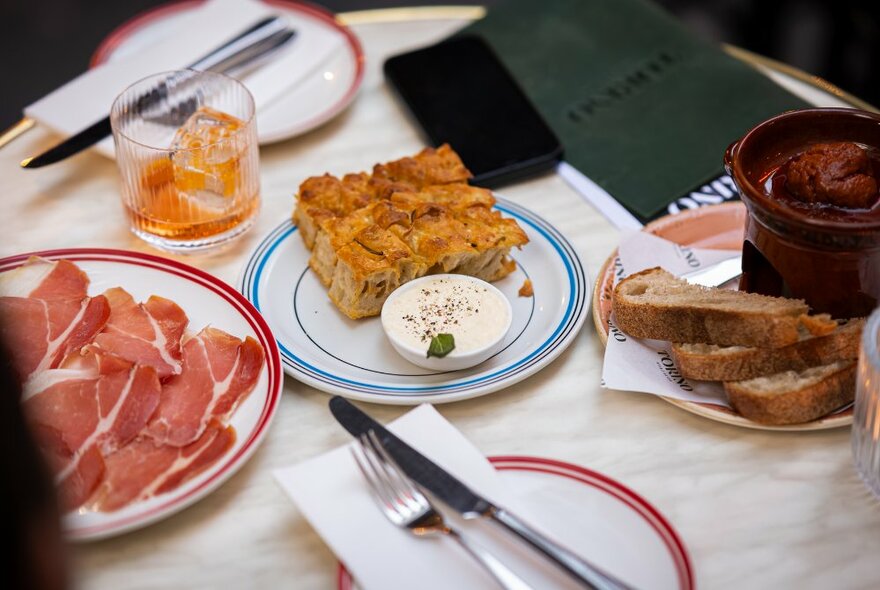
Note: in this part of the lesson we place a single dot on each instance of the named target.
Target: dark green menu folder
(642, 106)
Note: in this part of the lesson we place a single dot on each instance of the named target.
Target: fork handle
(502, 574)
(586, 573)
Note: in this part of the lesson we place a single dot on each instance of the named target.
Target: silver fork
(407, 507)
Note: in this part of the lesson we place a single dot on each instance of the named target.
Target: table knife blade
(418, 467)
(716, 274)
(72, 145)
(462, 499)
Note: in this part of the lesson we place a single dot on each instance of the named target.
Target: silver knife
(244, 50)
(465, 501)
(717, 274)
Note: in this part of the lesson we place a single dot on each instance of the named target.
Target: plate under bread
(717, 226)
(206, 300)
(325, 349)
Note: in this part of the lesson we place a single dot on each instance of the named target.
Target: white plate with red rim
(596, 516)
(206, 300)
(320, 96)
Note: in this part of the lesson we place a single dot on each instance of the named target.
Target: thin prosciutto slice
(145, 333)
(144, 468)
(219, 371)
(85, 410)
(77, 486)
(45, 279)
(39, 333)
(45, 314)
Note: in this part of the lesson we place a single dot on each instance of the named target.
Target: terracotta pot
(833, 264)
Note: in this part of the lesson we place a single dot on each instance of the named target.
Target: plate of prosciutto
(146, 382)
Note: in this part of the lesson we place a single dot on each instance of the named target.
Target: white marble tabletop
(755, 509)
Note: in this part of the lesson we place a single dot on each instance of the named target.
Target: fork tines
(386, 481)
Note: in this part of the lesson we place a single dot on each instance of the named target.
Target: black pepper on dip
(447, 322)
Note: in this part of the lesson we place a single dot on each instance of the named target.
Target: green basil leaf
(441, 345)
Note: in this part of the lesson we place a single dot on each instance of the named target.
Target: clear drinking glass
(186, 146)
(866, 418)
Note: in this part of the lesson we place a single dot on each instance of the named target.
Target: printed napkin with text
(646, 366)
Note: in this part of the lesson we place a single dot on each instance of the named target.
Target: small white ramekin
(455, 360)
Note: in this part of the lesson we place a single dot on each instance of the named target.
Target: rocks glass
(186, 147)
(866, 418)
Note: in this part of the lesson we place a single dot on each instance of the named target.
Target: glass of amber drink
(186, 147)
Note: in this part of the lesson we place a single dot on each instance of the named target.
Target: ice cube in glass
(206, 157)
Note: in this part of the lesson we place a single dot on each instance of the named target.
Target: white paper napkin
(88, 98)
(646, 366)
(333, 496)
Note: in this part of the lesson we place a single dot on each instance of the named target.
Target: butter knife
(716, 275)
(465, 501)
(254, 43)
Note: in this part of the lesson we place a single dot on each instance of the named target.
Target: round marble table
(756, 509)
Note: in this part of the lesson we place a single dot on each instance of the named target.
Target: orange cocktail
(188, 157)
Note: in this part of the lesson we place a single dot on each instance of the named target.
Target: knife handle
(502, 574)
(590, 575)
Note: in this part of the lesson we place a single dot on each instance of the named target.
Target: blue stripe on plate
(576, 282)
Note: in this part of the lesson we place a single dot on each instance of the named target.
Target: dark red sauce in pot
(816, 185)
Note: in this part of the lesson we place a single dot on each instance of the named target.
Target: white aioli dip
(475, 315)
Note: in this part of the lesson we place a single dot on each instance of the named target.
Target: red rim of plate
(241, 305)
(118, 35)
(634, 501)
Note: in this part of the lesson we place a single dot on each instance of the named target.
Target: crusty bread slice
(710, 362)
(794, 397)
(655, 304)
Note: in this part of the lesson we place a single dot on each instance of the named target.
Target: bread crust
(780, 365)
(703, 324)
(796, 406)
(740, 363)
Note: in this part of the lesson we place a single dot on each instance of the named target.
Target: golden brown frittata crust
(369, 234)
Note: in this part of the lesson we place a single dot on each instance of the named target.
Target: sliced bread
(710, 362)
(794, 397)
(656, 304)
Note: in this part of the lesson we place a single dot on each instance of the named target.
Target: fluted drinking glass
(866, 417)
(186, 148)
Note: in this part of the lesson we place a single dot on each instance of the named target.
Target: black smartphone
(461, 94)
